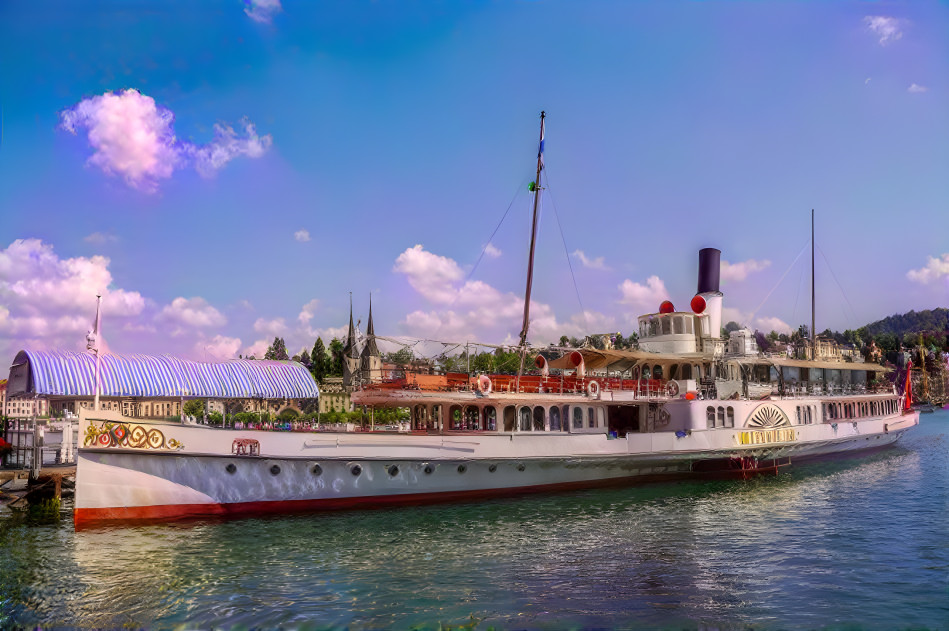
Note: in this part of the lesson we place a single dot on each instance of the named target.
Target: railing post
(38, 439)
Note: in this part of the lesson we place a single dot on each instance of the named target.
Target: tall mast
(92, 344)
(813, 308)
(530, 260)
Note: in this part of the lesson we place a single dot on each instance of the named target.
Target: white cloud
(302, 235)
(226, 146)
(100, 238)
(446, 325)
(492, 251)
(765, 324)
(218, 348)
(275, 327)
(646, 298)
(917, 89)
(133, 327)
(768, 324)
(262, 10)
(549, 329)
(131, 136)
(597, 263)
(328, 334)
(430, 274)
(936, 269)
(51, 302)
(195, 312)
(31, 275)
(740, 271)
(258, 349)
(477, 310)
(134, 138)
(887, 28)
(731, 314)
(308, 311)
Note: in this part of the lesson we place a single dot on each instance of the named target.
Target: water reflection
(804, 549)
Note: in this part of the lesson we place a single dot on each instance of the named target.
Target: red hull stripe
(84, 517)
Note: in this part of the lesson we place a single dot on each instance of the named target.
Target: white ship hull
(168, 471)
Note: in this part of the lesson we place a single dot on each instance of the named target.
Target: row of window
(719, 417)
(676, 371)
(523, 418)
(725, 416)
(666, 325)
(805, 414)
(858, 409)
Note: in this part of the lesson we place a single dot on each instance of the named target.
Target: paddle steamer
(684, 404)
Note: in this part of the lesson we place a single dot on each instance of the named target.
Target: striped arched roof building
(72, 374)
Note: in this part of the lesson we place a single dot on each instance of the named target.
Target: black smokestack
(709, 269)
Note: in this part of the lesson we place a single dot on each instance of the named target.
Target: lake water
(861, 543)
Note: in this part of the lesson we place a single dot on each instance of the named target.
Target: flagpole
(530, 261)
(813, 303)
(92, 344)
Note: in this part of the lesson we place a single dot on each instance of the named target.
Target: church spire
(350, 353)
(350, 350)
(370, 348)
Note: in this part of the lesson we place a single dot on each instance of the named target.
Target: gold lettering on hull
(128, 435)
(761, 437)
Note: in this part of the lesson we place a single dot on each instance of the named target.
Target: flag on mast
(908, 388)
(540, 150)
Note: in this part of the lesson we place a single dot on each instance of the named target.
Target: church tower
(351, 353)
(371, 358)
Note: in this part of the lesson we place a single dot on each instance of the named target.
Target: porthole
(316, 470)
(231, 468)
(521, 467)
(492, 468)
(393, 470)
(274, 470)
(428, 469)
(356, 469)
(462, 468)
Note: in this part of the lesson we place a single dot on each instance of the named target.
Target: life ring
(672, 388)
(593, 389)
(484, 384)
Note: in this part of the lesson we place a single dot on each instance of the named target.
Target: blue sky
(229, 171)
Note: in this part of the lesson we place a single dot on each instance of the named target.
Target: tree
(764, 344)
(318, 361)
(731, 326)
(288, 414)
(336, 358)
(564, 340)
(234, 406)
(596, 341)
(195, 407)
(310, 407)
(305, 358)
(401, 357)
(277, 350)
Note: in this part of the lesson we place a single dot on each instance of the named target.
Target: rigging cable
(791, 266)
(411, 346)
(563, 239)
(491, 238)
(797, 296)
(456, 294)
(839, 286)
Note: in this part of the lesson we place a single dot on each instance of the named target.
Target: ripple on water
(856, 542)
